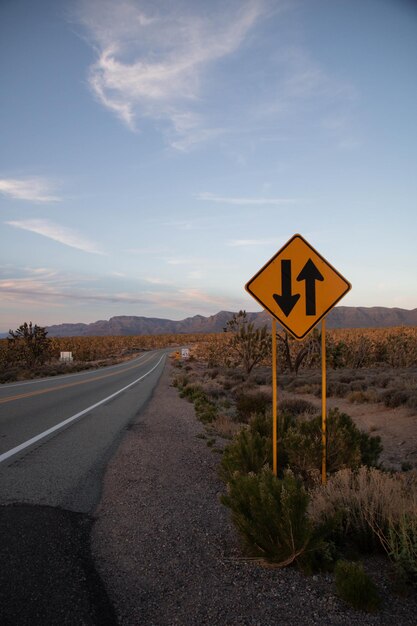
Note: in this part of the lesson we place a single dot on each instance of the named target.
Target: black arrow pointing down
(287, 300)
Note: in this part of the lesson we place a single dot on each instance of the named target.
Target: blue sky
(156, 154)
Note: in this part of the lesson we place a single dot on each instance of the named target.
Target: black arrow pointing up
(310, 274)
(287, 300)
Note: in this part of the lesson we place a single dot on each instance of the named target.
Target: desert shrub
(401, 540)
(365, 503)
(412, 401)
(338, 389)
(355, 587)
(371, 448)
(9, 375)
(382, 381)
(362, 396)
(262, 377)
(180, 381)
(249, 451)
(205, 410)
(249, 403)
(293, 384)
(271, 516)
(347, 446)
(191, 391)
(223, 426)
(346, 378)
(261, 423)
(358, 385)
(212, 389)
(298, 406)
(393, 398)
(236, 374)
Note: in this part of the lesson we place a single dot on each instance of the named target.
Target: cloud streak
(34, 189)
(242, 243)
(152, 64)
(56, 232)
(31, 285)
(210, 197)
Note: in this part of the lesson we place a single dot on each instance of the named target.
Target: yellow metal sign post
(323, 404)
(298, 287)
(274, 399)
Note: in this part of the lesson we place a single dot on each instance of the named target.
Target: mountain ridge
(339, 317)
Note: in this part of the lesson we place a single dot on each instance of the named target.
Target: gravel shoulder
(168, 554)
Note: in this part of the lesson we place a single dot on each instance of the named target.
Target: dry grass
(370, 499)
(224, 426)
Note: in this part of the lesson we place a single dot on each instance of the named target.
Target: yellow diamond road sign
(298, 286)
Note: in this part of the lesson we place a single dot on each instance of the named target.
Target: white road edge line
(29, 442)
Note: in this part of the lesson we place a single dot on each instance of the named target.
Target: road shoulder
(167, 552)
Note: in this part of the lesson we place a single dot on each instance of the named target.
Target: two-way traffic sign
(298, 286)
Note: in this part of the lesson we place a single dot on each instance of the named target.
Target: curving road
(57, 434)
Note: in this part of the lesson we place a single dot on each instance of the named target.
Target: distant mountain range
(339, 317)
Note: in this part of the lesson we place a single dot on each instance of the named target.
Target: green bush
(189, 390)
(271, 516)
(248, 452)
(261, 423)
(300, 445)
(347, 446)
(205, 410)
(402, 547)
(370, 448)
(355, 587)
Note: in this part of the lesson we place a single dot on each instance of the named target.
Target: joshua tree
(29, 344)
(249, 344)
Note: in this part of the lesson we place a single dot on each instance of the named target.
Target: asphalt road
(56, 437)
(57, 434)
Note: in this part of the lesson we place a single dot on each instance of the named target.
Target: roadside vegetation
(28, 352)
(292, 519)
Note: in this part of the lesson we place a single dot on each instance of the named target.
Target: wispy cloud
(152, 63)
(251, 242)
(180, 261)
(157, 281)
(30, 286)
(59, 233)
(210, 197)
(33, 189)
(181, 224)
